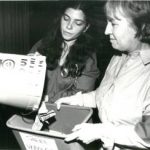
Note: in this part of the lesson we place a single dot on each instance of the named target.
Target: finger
(61, 101)
(86, 142)
(58, 105)
(37, 54)
(30, 54)
(71, 136)
(77, 127)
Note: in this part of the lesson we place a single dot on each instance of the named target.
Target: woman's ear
(86, 28)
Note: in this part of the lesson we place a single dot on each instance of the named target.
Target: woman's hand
(70, 100)
(64, 100)
(85, 132)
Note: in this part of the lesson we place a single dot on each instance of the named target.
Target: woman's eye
(66, 18)
(79, 23)
(114, 23)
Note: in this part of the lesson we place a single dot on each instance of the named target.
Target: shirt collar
(145, 56)
(68, 44)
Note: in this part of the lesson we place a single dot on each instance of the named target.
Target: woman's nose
(108, 29)
(69, 25)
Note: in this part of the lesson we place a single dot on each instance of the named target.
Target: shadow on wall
(14, 26)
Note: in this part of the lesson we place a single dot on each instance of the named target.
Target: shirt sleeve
(124, 135)
(143, 127)
(89, 99)
(137, 135)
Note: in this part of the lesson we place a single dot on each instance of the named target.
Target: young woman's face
(122, 33)
(73, 23)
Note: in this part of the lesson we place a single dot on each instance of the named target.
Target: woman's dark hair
(82, 49)
(138, 11)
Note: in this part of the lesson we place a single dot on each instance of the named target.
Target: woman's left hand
(85, 132)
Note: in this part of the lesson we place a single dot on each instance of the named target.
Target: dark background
(22, 24)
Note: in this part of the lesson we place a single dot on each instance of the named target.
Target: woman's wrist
(77, 99)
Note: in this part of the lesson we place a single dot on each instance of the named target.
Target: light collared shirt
(123, 98)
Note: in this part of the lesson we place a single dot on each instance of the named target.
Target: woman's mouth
(67, 33)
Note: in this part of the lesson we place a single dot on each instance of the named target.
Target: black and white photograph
(74, 75)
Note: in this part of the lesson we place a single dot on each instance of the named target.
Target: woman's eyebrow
(109, 18)
(113, 18)
(80, 20)
(66, 15)
(75, 18)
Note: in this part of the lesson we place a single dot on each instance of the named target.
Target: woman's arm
(137, 135)
(86, 99)
(143, 127)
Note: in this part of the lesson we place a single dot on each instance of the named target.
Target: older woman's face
(73, 23)
(122, 33)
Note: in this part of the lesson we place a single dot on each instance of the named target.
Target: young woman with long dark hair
(70, 53)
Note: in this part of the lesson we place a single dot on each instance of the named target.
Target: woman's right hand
(71, 100)
(64, 100)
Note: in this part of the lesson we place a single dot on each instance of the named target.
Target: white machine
(22, 80)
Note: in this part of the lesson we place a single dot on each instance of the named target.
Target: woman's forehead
(75, 13)
(113, 15)
(116, 14)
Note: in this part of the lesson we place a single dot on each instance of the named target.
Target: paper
(36, 142)
(22, 80)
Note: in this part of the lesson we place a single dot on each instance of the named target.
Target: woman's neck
(69, 43)
(143, 46)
